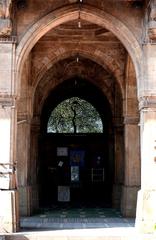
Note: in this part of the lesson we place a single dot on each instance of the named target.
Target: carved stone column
(8, 117)
(146, 205)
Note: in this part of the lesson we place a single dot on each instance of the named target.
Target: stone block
(146, 211)
(116, 196)
(2, 237)
(25, 201)
(28, 201)
(129, 200)
(6, 68)
(9, 218)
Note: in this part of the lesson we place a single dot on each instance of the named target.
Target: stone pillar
(27, 152)
(34, 163)
(9, 220)
(146, 206)
(23, 156)
(132, 144)
(132, 167)
(25, 167)
(119, 165)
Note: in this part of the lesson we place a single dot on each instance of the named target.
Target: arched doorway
(105, 68)
(88, 154)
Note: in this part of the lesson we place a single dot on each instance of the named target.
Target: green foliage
(75, 115)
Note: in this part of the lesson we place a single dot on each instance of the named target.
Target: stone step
(74, 223)
(83, 234)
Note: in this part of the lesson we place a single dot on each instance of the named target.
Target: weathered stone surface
(9, 219)
(5, 18)
(5, 27)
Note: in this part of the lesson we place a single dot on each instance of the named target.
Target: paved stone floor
(77, 223)
(76, 218)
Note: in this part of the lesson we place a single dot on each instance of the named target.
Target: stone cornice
(7, 101)
(147, 102)
(7, 39)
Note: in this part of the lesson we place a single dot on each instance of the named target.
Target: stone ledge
(131, 120)
(11, 39)
(147, 102)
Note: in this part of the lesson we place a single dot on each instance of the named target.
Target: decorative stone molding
(6, 102)
(152, 20)
(5, 18)
(8, 39)
(23, 118)
(133, 120)
(35, 124)
(5, 27)
(147, 102)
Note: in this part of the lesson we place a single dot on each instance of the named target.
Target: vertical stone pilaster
(23, 156)
(28, 132)
(119, 165)
(146, 207)
(132, 167)
(33, 177)
(8, 117)
(132, 144)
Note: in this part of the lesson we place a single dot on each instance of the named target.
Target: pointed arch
(69, 13)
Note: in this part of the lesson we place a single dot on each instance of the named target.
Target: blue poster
(77, 157)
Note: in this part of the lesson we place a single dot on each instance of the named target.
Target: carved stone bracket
(152, 20)
(147, 102)
(5, 18)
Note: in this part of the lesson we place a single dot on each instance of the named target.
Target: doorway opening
(76, 165)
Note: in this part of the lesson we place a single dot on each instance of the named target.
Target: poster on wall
(77, 157)
(62, 151)
(74, 173)
(63, 193)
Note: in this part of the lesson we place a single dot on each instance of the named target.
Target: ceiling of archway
(85, 32)
(81, 68)
(89, 52)
(68, 40)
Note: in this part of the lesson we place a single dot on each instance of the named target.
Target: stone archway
(32, 125)
(88, 13)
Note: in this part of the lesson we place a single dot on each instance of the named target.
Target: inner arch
(88, 13)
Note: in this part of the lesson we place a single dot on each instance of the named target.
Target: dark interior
(76, 169)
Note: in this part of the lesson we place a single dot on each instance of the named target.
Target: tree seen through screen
(74, 115)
